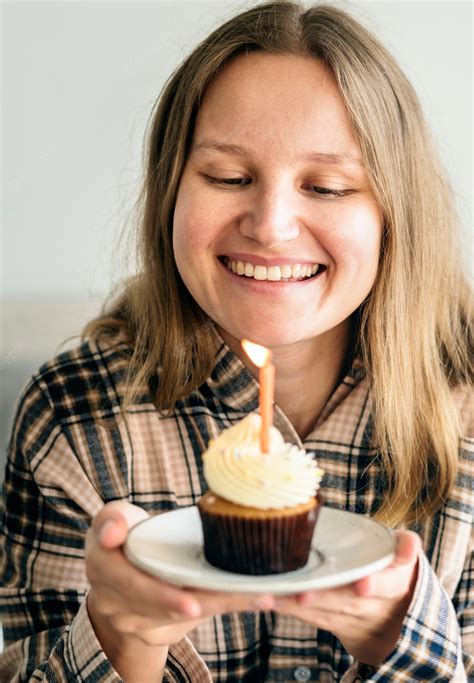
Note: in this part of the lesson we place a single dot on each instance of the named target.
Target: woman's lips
(285, 272)
(270, 286)
(262, 261)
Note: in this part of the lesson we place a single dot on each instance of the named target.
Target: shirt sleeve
(184, 665)
(48, 501)
(431, 646)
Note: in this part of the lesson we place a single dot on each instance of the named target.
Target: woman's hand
(365, 616)
(136, 616)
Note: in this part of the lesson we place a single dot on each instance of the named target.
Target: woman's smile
(271, 279)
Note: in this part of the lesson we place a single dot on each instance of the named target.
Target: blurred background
(79, 81)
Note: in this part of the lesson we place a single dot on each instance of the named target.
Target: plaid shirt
(70, 453)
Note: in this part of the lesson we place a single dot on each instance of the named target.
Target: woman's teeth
(298, 271)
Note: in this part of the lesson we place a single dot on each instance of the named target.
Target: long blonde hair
(413, 332)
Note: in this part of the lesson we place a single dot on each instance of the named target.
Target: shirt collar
(230, 381)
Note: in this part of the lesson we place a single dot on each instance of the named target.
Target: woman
(292, 196)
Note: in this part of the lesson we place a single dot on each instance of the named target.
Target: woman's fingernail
(264, 602)
(306, 599)
(104, 529)
(193, 610)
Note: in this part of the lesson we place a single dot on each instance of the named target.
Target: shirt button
(302, 673)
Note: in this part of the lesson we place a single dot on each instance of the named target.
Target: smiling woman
(292, 196)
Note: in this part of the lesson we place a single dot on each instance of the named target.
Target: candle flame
(259, 355)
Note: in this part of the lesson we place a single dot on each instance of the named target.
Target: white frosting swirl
(237, 470)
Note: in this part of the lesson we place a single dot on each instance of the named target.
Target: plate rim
(277, 584)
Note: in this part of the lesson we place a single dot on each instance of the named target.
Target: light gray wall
(79, 80)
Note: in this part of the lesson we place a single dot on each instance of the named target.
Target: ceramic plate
(346, 547)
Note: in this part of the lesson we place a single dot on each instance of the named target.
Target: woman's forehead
(290, 103)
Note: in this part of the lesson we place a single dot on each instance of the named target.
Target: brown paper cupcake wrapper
(258, 546)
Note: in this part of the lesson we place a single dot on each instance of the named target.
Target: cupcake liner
(255, 546)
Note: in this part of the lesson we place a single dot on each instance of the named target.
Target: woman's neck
(307, 373)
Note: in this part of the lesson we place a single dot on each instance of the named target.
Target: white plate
(346, 547)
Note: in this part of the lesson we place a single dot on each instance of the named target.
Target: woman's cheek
(196, 223)
(356, 236)
(186, 233)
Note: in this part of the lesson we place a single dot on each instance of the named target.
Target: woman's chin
(269, 335)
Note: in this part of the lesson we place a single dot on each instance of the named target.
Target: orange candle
(261, 357)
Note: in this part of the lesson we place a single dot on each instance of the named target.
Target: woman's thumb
(113, 522)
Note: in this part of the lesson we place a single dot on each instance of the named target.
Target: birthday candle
(261, 357)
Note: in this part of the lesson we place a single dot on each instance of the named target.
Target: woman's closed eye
(229, 182)
(327, 192)
(238, 182)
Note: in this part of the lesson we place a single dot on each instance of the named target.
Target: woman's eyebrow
(321, 157)
(332, 158)
(215, 146)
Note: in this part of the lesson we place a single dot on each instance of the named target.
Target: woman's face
(276, 229)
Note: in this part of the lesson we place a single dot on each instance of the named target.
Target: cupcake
(259, 514)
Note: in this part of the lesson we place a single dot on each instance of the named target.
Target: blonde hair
(413, 332)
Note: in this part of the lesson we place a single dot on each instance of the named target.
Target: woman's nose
(272, 219)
